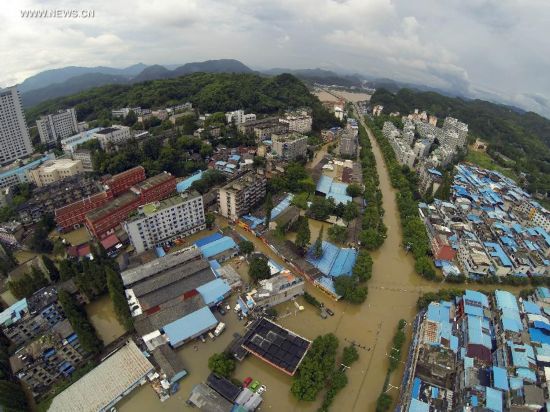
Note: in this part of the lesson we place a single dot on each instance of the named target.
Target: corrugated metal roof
(218, 246)
(186, 183)
(214, 291)
(493, 399)
(208, 239)
(190, 325)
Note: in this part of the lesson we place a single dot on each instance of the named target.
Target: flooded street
(102, 316)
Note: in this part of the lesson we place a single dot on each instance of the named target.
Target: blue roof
(186, 183)
(338, 198)
(493, 399)
(283, 204)
(218, 246)
(499, 253)
(23, 169)
(530, 307)
(333, 189)
(500, 378)
(334, 261)
(522, 354)
(418, 406)
(208, 239)
(326, 283)
(324, 183)
(543, 291)
(214, 264)
(537, 335)
(160, 251)
(415, 392)
(190, 325)
(476, 332)
(526, 374)
(254, 221)
(13, 313)
(435, 172)
(516, 383)
(214, 291)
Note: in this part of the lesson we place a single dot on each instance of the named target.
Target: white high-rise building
(15, 142)
(57, 126)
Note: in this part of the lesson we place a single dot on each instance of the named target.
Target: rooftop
(190, 325)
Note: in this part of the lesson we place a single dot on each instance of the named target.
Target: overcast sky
(497, 49)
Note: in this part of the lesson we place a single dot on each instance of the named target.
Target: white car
(261, 389)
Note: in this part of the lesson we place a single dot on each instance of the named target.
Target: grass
(484, 160)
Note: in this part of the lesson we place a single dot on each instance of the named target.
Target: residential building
(54, 127)
(102, 221)
(238, 116)
(17, 172)
(112, 136)
(15, 141)
(299, 121)
(289, 146)
(28, 318)
(54, 171)
(70, 144)
(377, 110)
(6, 195)
(85, 156)
(43, 362)
(71, 215)
(348, 145)
(237, 197)
(11, 233)
(273, 291)
(125, 111)
(158, 222)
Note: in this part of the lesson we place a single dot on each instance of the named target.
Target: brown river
(393, 291)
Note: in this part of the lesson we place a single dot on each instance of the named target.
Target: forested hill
(522, 137)
(209, 92)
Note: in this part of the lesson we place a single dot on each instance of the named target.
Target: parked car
(221, 310)
(201, 337)
(261, 389)
(254, 386)
(247, 382)
(330, 312)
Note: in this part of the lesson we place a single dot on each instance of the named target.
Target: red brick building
(102, 221)
(72, 215)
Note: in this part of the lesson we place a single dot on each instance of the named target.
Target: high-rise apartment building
(15, 142)
(57, 126)
(237, 197)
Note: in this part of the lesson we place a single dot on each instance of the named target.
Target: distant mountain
(48, 77)
(320, 76)
(71, 86)
(70, 80)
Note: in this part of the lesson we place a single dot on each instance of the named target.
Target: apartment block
(57, 126)
(55, 170)
(159, 222)
(17, 172)
(44, 361)
(15, 141)
(239, 196)
(299, 121)
(289, 146)
(112, 136)
(238, 116)
(85, 156)
(11, 233)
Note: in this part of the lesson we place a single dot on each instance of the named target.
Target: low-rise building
(55, 170)
(57, 126)
(273, 291)
(237, 197)
(289, 146)
(17, 172)
(11, 233)
(85, 156)
(70, 144)
(113, 136)
(159, 222)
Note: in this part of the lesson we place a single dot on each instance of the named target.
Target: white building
(112, 136)
(85, 156)
(171, 218)
(238, 117)
(422, 148)
(55, 170)
(70, 144)
(15, 142)
(57, 126)
(299, 121)
(125, 111)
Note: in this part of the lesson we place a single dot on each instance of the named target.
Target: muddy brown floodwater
(393, 291)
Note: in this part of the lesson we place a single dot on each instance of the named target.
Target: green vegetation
(39, 241)
(209, 179)
(12, 397)
(246, 247)
(76, 314)
(258, 269)
(268, 208)
(318, 245)
(374, 231)
(210, 219)
(300, 200)
(354, 190)
(209, 92)
(120, 304)
(221, 364)
(312, 300)
(295, 179)
(384, 401)
(415, 237)
(348, 287)
(350, 355)
(53, 272)
(316, 367)
(443, 294)
(522, 137)
(338, 234)
(484, 160)
(303, 234)
(28, 283)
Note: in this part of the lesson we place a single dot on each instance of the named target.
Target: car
(330, 312)
(201, 337)
(221, 310)
(261, 389)
(254, 385)
(247, 382)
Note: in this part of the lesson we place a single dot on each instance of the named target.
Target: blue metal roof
(13, 313)
(324, 183)
(500, 378)
(476, 333)
(522, 354)
(283, 204)
(190, 325)
(338, 198)
(499, 253)
(537, 335)
(334, 261)
(214, 291)
(218, 246)
(415, 392)
(493, 400)
(418, 406)
(526, 374)
(160, 251)
(435, 172)
(544, 292)
(23, 169)
(186, 183)
(208, 239)
(530, 307)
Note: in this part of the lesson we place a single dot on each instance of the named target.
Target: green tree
(53, 272)
(383, 403)
(318, 245)
(120, 304)
(268, 208)
(12, 397)
(58, 248)
(210, 219)
(246, 247)
(354, 190)
(259, 269)
(304, 234)
(338, 234)
(351, 211)
(348, 288)
(66, 270)
(221, 364)
(350, 355)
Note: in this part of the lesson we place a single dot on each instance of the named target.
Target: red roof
(109, 241)
(446, 252)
